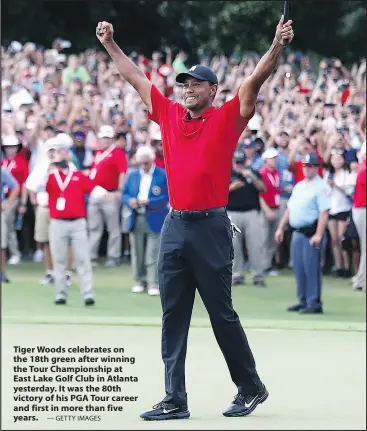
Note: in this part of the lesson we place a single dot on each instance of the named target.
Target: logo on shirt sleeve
(156, 190)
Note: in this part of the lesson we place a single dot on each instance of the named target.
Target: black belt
(198, 214)
(70, 219)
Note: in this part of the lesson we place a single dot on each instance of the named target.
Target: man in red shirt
(108, 171)
(18, 167)
(66, 190)
(302, 147)
(359, 218)
(270, 201)
(196, 249)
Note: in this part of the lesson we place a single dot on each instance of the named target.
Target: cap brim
(180, 78)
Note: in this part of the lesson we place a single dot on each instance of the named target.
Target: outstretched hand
(284, 32)
(104, 32)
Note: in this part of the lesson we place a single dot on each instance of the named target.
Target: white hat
(10, 141)
(255, 122)
(145, 150)
(269, 153)
(155, 133)
(64, 140)
(106, 132)
(51, 144)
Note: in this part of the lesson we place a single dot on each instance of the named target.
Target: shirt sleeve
(121, 161)
(8, 179)
(160, 105)
(233, 115)
(324, 198)
(87, 184)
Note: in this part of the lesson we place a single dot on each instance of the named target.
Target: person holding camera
(244, 211)
(307, 213)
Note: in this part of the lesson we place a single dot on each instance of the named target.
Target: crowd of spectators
(301, 108)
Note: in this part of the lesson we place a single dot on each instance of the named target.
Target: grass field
(314, 366)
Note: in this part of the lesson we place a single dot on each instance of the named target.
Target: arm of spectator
(168, 52)
(269, 213)
(126, 67)
(234, 185)
(293, 152)
(251, 86)
(279, 234)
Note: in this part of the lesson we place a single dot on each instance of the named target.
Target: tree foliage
(330, 28)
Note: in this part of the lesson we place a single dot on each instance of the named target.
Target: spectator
(338, 177)
(359, 217)
(145, 194)
(108, 171)
(244, 210)
(269, 202)
(74, 72)
(18, 167)
(8, 182)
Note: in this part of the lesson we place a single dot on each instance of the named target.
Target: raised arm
(127, 68)
(250, 88)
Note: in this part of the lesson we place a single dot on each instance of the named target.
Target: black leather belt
(70, 219)
(198, 214)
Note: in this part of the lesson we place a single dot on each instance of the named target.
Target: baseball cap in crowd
(51, 144)
(311, 159)
(10, 141)
(248, 143)
(202, 73)
(64, 139)
(106, 132)
(269, 153)
(239, 157)
(255, 122)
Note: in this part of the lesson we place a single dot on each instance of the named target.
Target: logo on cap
(192, 69)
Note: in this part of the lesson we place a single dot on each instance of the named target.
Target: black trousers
(197, 254)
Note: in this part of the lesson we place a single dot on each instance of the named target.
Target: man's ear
(213, 89)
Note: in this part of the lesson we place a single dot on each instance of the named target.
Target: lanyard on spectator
(63, 184)
(10, 165)
(274, 180)
(102, 156)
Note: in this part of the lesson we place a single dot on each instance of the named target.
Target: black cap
(311, 159)
(239, 157)
(202, 73)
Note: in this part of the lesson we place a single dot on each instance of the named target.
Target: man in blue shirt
(8, 182)
(253, 159)
(307, 213)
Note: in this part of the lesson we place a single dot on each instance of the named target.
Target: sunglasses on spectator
(79, 135)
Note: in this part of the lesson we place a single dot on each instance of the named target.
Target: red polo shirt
(198, 152)
(272, 181)
(73, 194)
(107, 166)
(297, 169)
(18, 168)
(359, 199)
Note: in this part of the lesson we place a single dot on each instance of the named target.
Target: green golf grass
(26, 301)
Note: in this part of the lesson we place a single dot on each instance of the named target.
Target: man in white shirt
(145, 197)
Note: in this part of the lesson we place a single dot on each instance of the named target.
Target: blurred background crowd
(82, 99)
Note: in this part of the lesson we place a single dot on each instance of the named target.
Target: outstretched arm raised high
(127, 68)
(250, 88)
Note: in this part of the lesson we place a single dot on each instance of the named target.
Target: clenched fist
(104, 32)
(284, 32)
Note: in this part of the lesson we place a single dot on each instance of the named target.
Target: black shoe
(347, 273)
(243, 405)
(259, 283)
(164, 411)
(238, 281)
(60, 301)
(312, 310)
(296, 307)
(89, 301)
(4, 278)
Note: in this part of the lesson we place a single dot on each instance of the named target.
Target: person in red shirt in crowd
(196, 249)
(302, 146)
(18, 167)
(66, 188)
(359, 218)
(108, 171)
(270, 201)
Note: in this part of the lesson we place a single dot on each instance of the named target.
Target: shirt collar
(186, 115)
(151, 170)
